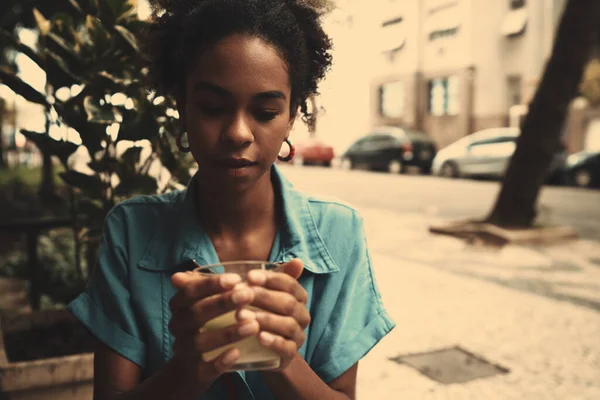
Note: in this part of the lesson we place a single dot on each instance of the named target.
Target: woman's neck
(237, 214)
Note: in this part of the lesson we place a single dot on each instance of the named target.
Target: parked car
(583, 169)
(486, 154)
(391, 149)
(314, 152)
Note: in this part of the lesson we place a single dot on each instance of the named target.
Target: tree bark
(539, 141)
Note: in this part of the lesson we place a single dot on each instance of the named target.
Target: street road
(444, 198)
(535, 311)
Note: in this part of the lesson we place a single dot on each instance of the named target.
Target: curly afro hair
(181, 29)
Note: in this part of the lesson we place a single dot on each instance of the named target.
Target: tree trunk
(541, 130)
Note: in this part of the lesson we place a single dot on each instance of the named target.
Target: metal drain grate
(452, 365)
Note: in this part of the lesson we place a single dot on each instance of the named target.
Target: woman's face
(236, 111)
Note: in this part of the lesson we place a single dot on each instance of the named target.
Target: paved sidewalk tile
(547, 334)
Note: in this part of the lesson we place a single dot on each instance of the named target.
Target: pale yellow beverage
(253, 356)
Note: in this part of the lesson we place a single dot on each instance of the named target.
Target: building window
(391, 99)
(393, 35)
(515, 21)
(444, 96)
(514, 90)
(515, 4)
(442, 33)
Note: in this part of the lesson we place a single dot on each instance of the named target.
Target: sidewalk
(533, 311)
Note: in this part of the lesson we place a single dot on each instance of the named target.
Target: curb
(476, 230)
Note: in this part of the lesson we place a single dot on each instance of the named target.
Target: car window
(496, 140)
(379, 141)
(359, 144)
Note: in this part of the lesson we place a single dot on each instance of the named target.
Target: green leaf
(61, 70)
(140, 184)
(144, 126)
(99, 114)
(132, 155)
(129, 37)
(91, 185)
(15, 43)
(76, 6)
(59, 148)
(117, 81)
(121, 9)
(66, 49)
(43, 24)
(103, 165)
(99, 35)
(18, 86)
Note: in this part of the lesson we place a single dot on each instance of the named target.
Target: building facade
(452, 67)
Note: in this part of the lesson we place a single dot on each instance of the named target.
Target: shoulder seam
(338, 203)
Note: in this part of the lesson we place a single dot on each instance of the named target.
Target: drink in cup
(253, 356)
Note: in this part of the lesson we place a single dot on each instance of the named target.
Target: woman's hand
(198, 300)
(283, 316)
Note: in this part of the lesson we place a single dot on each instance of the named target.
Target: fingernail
(257, 277)
(229, 280)
(230, 357)
(241, 296)
(266, 338)
(248, 328)
(246, 315)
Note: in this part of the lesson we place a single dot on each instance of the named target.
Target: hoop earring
(290, 155)
(182, 148)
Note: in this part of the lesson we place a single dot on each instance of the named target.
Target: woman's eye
(266, 115)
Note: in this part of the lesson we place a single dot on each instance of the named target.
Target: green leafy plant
(89, 51)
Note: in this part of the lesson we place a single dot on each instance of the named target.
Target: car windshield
(414, 135)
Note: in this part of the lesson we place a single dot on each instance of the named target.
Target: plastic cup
(253, 356)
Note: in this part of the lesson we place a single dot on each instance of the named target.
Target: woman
(240, 71)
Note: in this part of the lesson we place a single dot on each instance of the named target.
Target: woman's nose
(238, 132)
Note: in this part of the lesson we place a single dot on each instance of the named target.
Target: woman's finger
(196, 316)
(209, 372)
(286, 327)
(281, 303)
(278, 281)
(193, 286)
(203, 342)
(293, 268)
(286, 349)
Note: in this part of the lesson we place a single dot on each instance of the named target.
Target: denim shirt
(126, 303)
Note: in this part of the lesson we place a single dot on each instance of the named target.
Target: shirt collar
(299, 233)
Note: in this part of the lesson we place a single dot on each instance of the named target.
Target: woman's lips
(236, 162)
(237, 167)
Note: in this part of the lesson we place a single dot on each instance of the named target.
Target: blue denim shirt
(126, 303)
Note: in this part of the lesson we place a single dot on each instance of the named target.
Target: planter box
(39, 360)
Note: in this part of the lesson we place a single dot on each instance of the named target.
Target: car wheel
(347, 164)
(327, 164)
(582, 178)
(395, 167)
(426, 170)
(449, 170)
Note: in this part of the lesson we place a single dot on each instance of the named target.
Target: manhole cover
(453, 365)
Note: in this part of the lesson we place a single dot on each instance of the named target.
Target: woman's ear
(293, 116)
